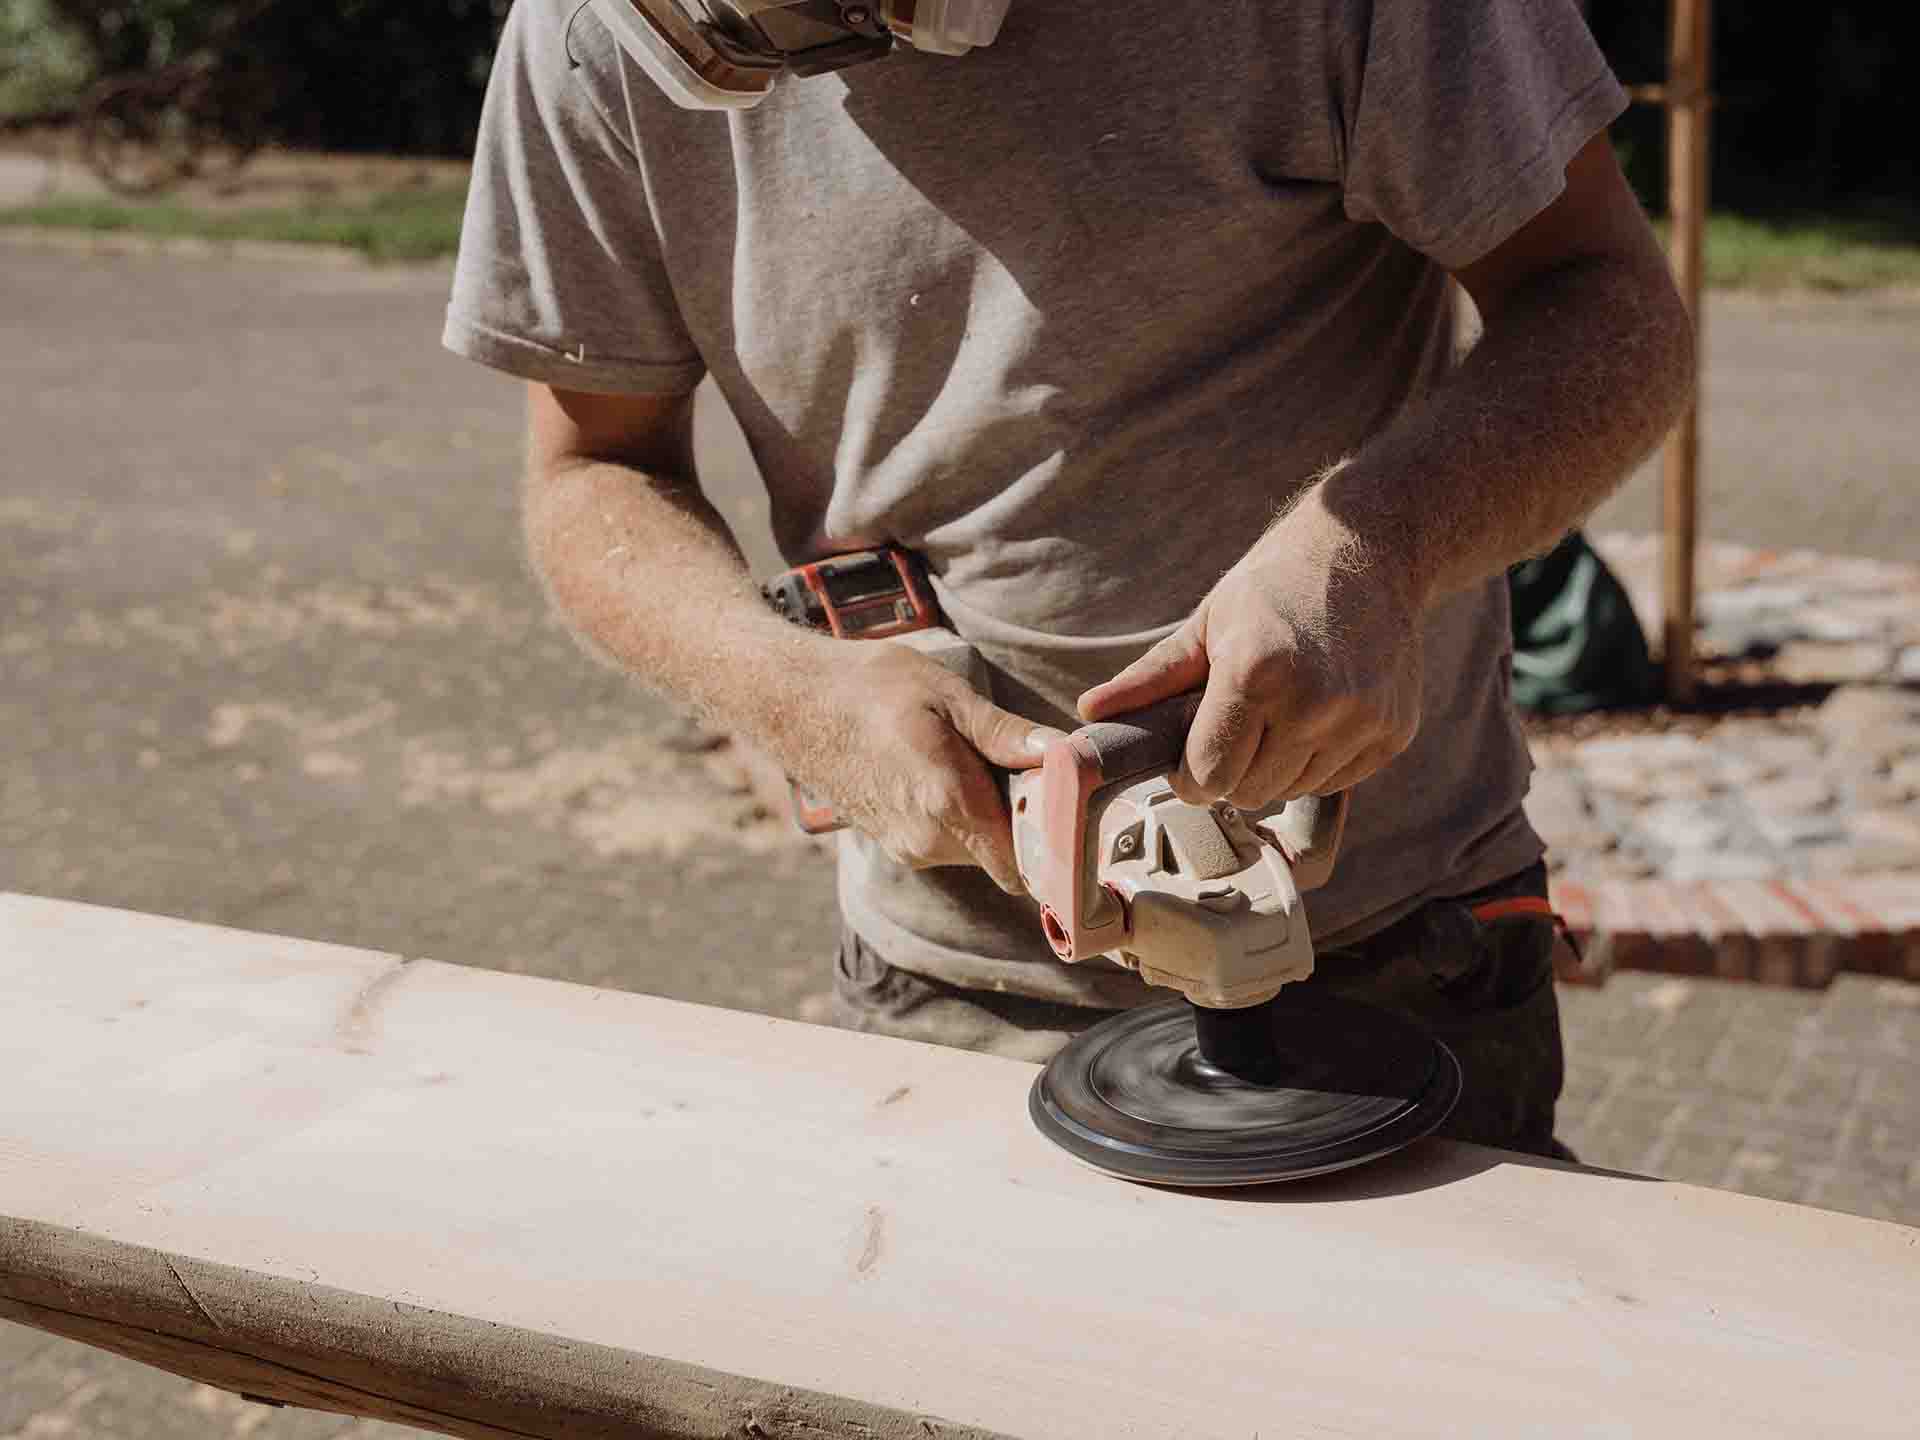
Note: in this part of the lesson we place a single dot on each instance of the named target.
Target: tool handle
(1144, 740)
(1153, 739)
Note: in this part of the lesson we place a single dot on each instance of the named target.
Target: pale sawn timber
(495, 1205)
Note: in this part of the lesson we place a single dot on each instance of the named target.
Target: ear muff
(701, 66)
(946, 27)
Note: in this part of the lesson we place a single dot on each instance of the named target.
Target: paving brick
(1773, 1010)
(1703, 867)
(1749, 1067)
(1696, 1158)
(1842, 662)
(1675, 947)
(1870, 946)
(1830, 1089)
(1647, 1116)
(1607, 1148)
(1862, 852)
(1793, 793)
(1863, 1195)
(1765, 1173)
(1859, 717)
(142, 1403)
(1619, 940)
(1745, 759)
(1780, 933)
(1585, 1083)
(56, 1377)
(18, 1344)
(1892, 899)
(1717, 924)
(1804, 1134)
(68, 1391)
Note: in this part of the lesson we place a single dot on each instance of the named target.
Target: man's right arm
(645, 572)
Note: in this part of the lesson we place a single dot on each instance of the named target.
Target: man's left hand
(1310, 654)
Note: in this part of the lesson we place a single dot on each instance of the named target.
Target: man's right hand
(644, 569)
(903, 749)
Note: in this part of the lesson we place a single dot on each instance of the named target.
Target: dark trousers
(1476, 971)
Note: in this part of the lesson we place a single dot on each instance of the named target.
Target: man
(1136, 325)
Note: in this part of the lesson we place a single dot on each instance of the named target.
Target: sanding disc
(1133, 1096)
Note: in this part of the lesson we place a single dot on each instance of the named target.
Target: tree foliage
(350, 75)
(1814, 110)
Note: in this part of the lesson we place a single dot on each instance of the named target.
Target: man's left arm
(1309, 648)
(1587, 360)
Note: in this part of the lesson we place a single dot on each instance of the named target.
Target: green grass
(1819, 253)
(1834, 254)
(404, 225)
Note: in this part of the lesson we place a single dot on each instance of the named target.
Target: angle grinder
(1237, 1083)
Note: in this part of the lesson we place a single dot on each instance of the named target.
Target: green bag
(1577, 645)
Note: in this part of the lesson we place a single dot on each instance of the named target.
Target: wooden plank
(499, 1205)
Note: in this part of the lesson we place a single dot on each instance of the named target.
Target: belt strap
(1511, 905)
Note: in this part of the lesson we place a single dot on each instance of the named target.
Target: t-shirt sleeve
(1455, 119)
(560, 276)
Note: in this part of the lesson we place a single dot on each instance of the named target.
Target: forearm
(646, 574)
(1585, 369)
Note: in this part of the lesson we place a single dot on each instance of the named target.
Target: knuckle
(1255, 672)
(1206, 766)
(942, 799)
(914, 841)
(1255, 794)
(1186, 788)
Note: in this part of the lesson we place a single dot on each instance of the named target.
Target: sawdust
(23, 512)
(622, 797)
(233, 624)
(237, 622)
(233, 723)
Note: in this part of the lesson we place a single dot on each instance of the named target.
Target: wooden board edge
(295, 1343)
(244, 1375)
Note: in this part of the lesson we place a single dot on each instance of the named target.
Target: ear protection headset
(727, 54)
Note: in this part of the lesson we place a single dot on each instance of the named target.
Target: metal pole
(1688, 70)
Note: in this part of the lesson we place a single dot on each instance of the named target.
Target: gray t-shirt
(1071, 316)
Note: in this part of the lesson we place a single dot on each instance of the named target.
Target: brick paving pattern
(1789, 1094)
(1781, 846)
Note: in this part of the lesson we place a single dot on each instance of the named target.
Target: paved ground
(272, 660)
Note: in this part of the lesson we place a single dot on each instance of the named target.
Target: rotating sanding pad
(1134, 1097)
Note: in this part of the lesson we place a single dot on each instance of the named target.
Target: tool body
(1240, 1082)
(1202, 899)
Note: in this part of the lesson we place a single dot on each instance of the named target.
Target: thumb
(1173, 667)
(1001, 737)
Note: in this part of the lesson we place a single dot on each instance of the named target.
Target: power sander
(1237, 1083)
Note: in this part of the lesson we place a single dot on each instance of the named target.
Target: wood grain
(502, 1206)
